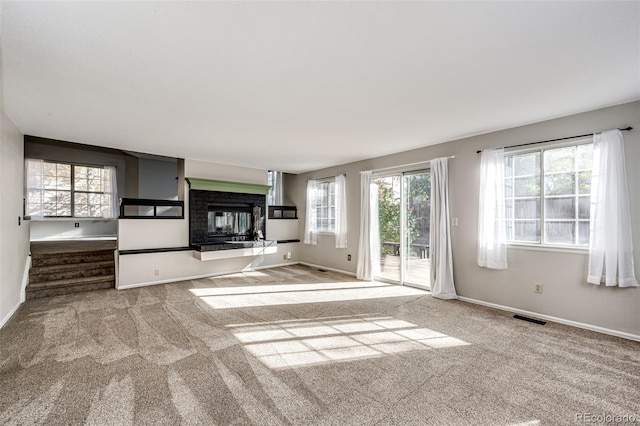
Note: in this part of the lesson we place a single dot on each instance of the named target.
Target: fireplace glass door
(229, 222)
(236, 223)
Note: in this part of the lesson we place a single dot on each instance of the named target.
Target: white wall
(140, 269)
(14, 237)
(566, 294)
(58, 229)
(14, 232)
(204, 170)
(135, 234)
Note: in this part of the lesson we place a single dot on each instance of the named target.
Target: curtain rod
(407, 165)
(626, 129)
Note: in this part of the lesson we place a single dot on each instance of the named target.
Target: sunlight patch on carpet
(288, 294)
(296, 343)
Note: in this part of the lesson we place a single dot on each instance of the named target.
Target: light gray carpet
(297, 346)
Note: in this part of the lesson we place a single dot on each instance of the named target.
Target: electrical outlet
(288, 255)
(284, 257)
(76, 224)
(349, 257)
(537, 288)
(454, 221)
(156, 272)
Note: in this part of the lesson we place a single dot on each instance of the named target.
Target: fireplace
(229, 221)
(219, 217)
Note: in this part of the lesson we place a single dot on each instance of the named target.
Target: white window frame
(542, 245)
(326, 200)
(72, 191)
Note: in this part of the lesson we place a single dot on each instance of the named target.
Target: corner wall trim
(577, 324)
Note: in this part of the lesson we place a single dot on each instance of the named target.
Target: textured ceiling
(298, 86)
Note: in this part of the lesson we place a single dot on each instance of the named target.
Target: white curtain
(492, 233)
(341, 211)
(110, 202)
(34, 193)
(610, 245)
(368, 264)
(310, 232)
(442, 285)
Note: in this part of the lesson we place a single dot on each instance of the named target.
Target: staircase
(66, 267)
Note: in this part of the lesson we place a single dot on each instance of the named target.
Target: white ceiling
(298, 86)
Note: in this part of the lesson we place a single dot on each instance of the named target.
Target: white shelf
(240, 252)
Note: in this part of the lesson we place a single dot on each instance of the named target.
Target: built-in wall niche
(283, 212)
(138, 208)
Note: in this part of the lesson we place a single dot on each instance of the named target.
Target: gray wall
(566, 294)
(53, 150)
(157, 179)
(289, 182)
(143, 177)
(49, 149)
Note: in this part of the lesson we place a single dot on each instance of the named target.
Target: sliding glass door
(403, 212)
(389, 216)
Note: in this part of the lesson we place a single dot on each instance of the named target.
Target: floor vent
(535, 321)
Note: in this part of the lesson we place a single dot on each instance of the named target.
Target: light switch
(454, 221)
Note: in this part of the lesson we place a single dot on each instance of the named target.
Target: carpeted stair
(54, 273)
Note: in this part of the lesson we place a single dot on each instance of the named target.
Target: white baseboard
(170, 280)
(195, 277)
(23, 292)
(9, 315)
(591, 327)
(116, 264)
(340, 271)
(277, 265)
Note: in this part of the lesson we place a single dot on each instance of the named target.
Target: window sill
(325, 233)
(549, 248)
(70, 219)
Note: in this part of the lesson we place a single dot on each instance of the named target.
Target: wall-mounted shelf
(283, 212)
(233, 249)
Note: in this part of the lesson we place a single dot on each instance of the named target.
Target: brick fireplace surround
(199, 201)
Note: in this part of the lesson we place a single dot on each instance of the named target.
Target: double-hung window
(325, 205)
(69, 190)
(547, 195)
